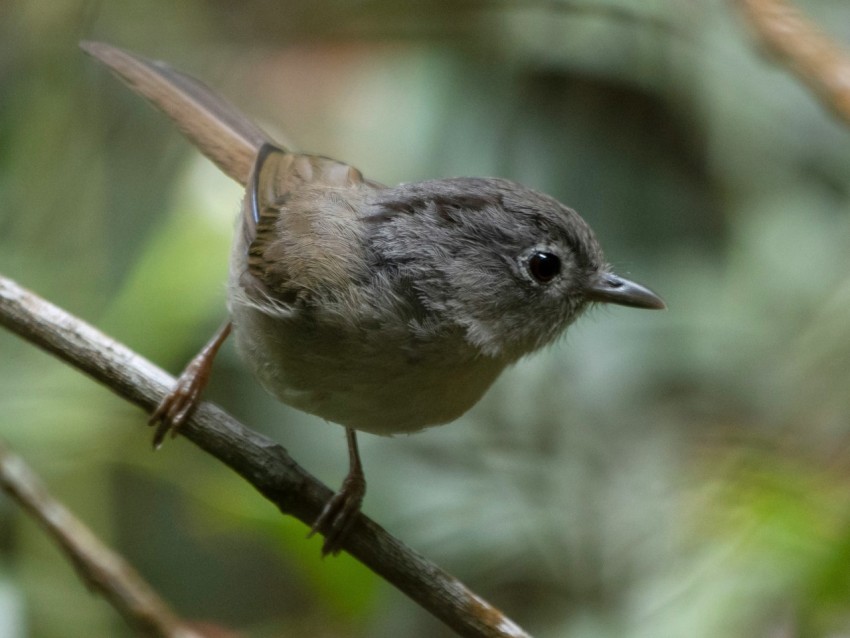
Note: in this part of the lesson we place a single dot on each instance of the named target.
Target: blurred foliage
(654, 474)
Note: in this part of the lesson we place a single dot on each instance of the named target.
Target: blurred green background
(653, 474)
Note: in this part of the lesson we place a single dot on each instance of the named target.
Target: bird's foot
(339, 513)
(177, 406)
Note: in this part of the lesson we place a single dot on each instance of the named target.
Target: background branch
(263, 463)
(102, 569)
(801, 46)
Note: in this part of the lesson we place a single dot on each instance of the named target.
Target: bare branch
(263, 463)
(801, 46)
(100, 568)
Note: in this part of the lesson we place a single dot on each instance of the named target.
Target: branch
(801, 46)
(100, 568)
(260, 461)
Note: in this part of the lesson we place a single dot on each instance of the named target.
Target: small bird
(382, 309)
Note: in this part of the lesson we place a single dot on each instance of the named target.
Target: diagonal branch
(260, 461)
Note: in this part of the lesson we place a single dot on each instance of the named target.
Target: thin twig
(263, 463)
(100, 568)
(801, 46)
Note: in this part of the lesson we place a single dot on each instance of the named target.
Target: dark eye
(544, 267)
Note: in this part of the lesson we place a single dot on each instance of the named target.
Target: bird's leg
(341, 511)
(178, 404)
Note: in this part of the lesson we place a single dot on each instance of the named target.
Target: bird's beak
(610, 288)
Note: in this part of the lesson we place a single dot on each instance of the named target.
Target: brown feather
(209, 121)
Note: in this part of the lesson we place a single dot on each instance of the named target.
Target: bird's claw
(339, 514)
(177, 406)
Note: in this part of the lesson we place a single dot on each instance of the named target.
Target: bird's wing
(299, 222)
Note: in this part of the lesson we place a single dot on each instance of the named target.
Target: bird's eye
(544, 267)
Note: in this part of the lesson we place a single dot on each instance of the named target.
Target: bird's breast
(383, 382)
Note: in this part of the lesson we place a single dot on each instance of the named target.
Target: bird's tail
(214, 125)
